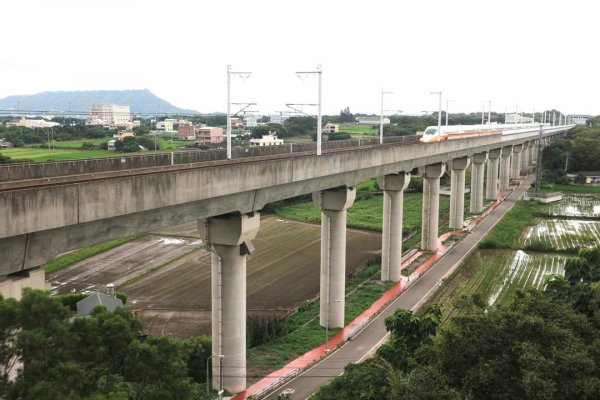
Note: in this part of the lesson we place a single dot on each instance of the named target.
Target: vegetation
(86, 252)
(506, 233)
(539, 346)
(302, 329)
(101, 356)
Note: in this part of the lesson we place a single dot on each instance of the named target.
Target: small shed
(85, 306)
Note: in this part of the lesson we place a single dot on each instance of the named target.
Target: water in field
(522, 270)
(562, 234)
(577, 205)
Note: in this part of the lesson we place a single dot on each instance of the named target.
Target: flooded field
(577, 205)
(496, 275)
(563, 234)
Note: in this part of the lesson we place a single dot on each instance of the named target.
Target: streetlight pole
(381, 117)
(489, 114)
(220, 357)
(439, 111)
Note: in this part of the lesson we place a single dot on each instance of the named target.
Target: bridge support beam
(457, 191)
(431, 205)
(505, 167)
(491, 188)
(229, 238)
(393, 186)
(333, 204)
(515, 172)
(477, 175)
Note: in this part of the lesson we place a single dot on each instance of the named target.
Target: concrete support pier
(431, 205)
(477, 174)
(229, 238)
(393, 186)
(491, 187)
(505, 167)
(525, 159)
(333, 204)
(457, 191)
(515, 166)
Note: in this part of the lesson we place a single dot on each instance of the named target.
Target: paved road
(365, 342)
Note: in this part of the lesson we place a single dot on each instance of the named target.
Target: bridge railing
(25, 171)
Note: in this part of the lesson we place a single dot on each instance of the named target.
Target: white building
(168, 125)
(578, 119)
(518, 119)
(32, 123)
(266, 140)
(109, 115)
(371, 121)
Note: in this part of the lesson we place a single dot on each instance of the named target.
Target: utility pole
(489, 114)
(447, 101)
(319, 73)
(538, 166)
(243, 75)
(439, 111)
(381, 117)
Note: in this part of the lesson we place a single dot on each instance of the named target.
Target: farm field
(577, 205)
(495, 276)
(167, 278)
(41, 155)
(562, 234)
(367, 213)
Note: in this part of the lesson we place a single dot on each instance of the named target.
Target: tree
(346, 115)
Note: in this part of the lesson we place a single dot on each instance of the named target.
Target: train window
(431, 131)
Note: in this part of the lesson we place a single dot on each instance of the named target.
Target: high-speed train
(432, 135)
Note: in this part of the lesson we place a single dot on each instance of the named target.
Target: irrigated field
(562, 234)
(577, 205)
(495, 275)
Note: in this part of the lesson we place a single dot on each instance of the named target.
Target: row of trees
(545, 345)
(21, 136)
(102, 356)
(577, 152)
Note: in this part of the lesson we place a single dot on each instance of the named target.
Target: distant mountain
(140, 101)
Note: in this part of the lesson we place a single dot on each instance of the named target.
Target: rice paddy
(577, 205)
(562, 234)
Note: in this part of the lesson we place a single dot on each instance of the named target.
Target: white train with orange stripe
(431, 134)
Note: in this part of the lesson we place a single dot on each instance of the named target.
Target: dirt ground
(174, 300)
(119, 264)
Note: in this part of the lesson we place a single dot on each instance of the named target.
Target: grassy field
(575, 188)
(86, 252)
(360, 130)
(367, 213)
(41, 155)
(495, 276)
(506, 234)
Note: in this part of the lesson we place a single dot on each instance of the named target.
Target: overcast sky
(526, 53)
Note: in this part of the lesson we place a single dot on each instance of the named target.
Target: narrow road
(369, 339)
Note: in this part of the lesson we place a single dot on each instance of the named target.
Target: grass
(305, 333)
(41, 155)
(367, 213)
(74, 144)
(506, 234)
(86, 252)
(359, 130)
(574, 188)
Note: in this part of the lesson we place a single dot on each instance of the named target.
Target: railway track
(108, 175)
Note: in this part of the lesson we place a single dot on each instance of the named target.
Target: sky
(526, 55)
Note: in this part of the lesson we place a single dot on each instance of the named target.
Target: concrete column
(505, 167)
(477, 174)
(515, 165)
(525, 158)
(391, 246)
(457, 191)
(333, 204)
(491, 188)
(431, 205)
(229, 238)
